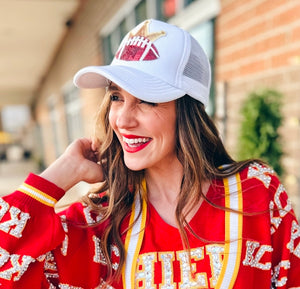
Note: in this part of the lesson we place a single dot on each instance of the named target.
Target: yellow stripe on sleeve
(37, 195)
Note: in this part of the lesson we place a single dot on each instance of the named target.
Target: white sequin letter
(262, 173)
(215, 253)
(65, 243)
(4, 207)
(99, 256)
(285, 265)
(295, 233)
(167, 259)
(17, 221)
(200, 280)
(4, 256)
(252, 261)
(282, 210)
(275, 221)
(19, 266)
(145, 271)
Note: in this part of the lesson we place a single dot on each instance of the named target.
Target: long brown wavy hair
(200, 151)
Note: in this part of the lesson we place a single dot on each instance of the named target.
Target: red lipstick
(134, 143)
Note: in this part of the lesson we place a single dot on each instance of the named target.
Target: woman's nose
(126, 117)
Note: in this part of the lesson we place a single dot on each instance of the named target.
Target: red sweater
(257, 249)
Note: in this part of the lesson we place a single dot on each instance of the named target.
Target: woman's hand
(77, 163)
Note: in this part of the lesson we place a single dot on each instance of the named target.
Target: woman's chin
(134, 165)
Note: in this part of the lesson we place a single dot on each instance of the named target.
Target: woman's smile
(134, 143)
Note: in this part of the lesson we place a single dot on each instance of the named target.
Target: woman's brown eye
(114, 97)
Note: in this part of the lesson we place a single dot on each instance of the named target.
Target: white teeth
(131, 141)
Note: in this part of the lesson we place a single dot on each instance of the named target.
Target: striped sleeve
(37, 195)
(41, 190)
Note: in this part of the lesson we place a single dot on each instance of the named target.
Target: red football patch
(137, 49)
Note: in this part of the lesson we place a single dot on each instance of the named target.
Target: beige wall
(80, 48)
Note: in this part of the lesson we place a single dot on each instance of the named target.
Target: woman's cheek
(111, 119)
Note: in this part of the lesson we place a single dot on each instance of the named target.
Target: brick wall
(258, 46)
(256, 36)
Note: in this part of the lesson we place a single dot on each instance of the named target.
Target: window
(56, 125)
(73, 113)
(188, 2)
(112, 41)
(204, 34)
(166, 9)
(141, 11)
(107, 50)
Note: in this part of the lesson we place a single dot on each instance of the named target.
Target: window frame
(73, 110)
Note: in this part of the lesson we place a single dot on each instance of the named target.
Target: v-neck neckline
(153, 213)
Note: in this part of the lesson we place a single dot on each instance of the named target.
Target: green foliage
(259, 137)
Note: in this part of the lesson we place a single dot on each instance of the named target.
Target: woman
(174, 209)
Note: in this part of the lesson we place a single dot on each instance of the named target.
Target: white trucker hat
(155, 62)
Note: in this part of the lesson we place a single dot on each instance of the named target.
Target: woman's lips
(133, 143)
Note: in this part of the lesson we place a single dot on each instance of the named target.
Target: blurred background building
(251, 44)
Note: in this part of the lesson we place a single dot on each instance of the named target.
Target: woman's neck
(163, 184)
(163, 188)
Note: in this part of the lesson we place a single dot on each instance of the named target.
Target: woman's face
(146, 131)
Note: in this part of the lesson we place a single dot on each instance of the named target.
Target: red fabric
(68, 255)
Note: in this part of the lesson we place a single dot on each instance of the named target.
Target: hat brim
(141, 85)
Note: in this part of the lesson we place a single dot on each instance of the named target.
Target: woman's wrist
(63, 173)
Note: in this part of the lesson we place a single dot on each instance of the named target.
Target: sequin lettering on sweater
(19, 265)
(17, 222)
(254, 253)
(188, 279)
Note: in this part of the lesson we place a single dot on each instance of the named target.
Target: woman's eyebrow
(113, 88)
